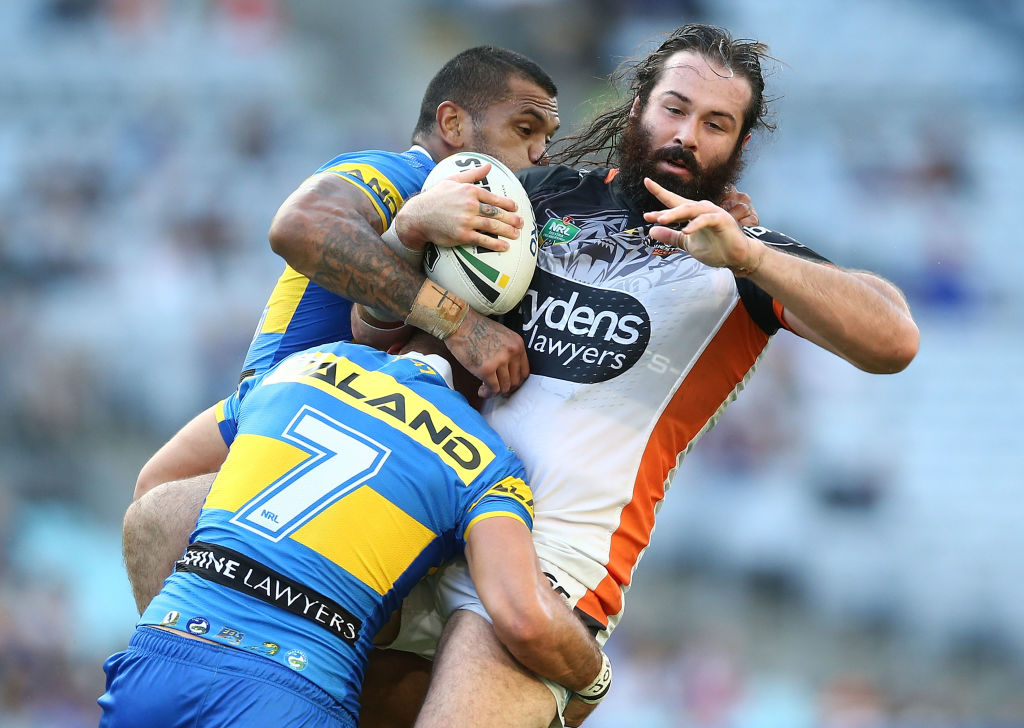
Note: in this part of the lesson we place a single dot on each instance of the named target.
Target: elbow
(897, 353)
(149, 478)
(906, 351)
(285, 231)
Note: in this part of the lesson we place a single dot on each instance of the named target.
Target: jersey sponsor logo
(381, 186)
(557, 231)
(580, 333)
(236, 571)
(512, 487)
(381, 396)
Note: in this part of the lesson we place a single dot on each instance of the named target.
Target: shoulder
(536, 179)
(365, 156)
(411, 164)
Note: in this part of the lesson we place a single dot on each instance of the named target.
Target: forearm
(324, 231)
(855, 314)
(533, 623)
(564, 651)
(382, 335)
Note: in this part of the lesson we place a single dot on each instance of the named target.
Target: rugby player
(346, 475)
(650, 310)
(485, 99)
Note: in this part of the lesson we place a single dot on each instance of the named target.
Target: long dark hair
(598, 142)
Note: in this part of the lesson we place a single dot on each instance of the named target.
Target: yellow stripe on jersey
(380, 396)
(373, 179)
(511, 486)
(368, 536)
(253, 463)
(218, 411)
(284, 299)
(492, 514)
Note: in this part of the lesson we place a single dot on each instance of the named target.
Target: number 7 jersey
(350, 474)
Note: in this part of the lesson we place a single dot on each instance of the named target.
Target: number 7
(341, 460)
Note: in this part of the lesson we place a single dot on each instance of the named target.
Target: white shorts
(427, 608)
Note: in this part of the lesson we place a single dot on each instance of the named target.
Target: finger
(488, 210)
(504, 380)
(669, 198)
(497, 228)
(669, 236)
(686, 210)
(490, 198)
(739, 210)
(508, 218)
(492, 242)
(750, 219)
(518, 370)
(473, 174)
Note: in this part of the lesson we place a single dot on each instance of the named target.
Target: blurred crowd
(861, 528)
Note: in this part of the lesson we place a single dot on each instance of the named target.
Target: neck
(436, 148)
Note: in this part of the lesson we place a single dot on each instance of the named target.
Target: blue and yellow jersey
(351, 473)
(299, 313)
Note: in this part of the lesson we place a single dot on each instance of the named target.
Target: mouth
(674, 168)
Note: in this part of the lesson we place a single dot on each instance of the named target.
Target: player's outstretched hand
(491, 352)
(457, 212)
(704, 230)
(740, 206)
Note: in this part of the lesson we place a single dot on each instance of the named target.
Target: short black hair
(475, 79)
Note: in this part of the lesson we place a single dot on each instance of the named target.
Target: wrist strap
(380, 316)
(413, 257)
(595, 692)
(437, 311)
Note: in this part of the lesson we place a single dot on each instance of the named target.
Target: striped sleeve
(386, 178)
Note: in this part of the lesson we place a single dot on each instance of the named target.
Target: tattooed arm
(329, 231)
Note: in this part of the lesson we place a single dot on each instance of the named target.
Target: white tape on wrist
(437, 311)
(413, 257)
(380, 314)
(595, 692)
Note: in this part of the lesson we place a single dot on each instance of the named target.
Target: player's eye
(526, 131)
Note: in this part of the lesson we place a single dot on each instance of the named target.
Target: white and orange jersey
(635, 349)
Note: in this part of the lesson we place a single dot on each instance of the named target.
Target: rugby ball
(492, 282)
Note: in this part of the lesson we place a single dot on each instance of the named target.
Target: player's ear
(453, 124)
(746, 139)
(634, 110)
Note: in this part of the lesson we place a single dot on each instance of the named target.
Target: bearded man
(650, 309)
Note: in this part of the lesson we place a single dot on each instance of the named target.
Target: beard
(638, 159)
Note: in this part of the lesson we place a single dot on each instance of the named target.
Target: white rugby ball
(491, 282)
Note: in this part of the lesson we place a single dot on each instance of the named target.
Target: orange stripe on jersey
(722, 365)
(612, 174)
(779, 311)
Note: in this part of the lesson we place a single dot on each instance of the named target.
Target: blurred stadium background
(843, 551)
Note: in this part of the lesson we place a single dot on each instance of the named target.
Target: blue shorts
(164, 680)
